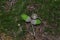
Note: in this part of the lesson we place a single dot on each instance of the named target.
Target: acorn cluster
(33, 19)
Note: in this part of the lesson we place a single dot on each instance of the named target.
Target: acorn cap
(33, 22)
(34, 16)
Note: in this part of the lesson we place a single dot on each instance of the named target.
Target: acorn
(26, 18)
(35, 20)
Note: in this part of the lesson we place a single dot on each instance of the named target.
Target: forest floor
(47, 10)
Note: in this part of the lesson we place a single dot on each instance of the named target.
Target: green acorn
(25, 17)
(35, 22)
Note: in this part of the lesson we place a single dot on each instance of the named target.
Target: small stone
(18, 24)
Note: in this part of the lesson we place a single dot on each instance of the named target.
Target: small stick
(33, 30)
